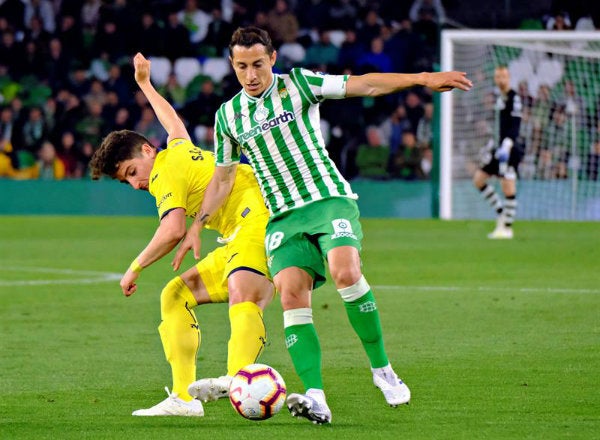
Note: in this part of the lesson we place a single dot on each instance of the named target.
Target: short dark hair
(117, 147)
(249, 36)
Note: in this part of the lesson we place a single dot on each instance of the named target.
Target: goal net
(557, 75)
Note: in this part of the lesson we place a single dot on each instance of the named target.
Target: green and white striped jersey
(280, 134)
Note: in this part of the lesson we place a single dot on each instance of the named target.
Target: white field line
(83, 276)
(487, 289)
(90, 276)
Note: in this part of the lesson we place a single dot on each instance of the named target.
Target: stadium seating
(216, 68)
(337, 37)
(160, 71)
(186, 69)
(291, 52)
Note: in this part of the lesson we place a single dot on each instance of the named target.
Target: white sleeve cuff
(334, 86)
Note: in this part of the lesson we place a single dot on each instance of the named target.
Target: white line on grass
(487, 289)
(103, 277)
(87, 276)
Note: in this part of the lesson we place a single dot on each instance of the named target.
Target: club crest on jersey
(283, 93)
(342, 228)
(261, 114)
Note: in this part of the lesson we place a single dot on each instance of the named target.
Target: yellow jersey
(179, 179)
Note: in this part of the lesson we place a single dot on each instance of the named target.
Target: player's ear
(148, 150)
(273, 58)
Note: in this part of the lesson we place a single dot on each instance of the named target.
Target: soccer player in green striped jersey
(274, 121)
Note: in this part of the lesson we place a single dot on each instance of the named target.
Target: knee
(293, 296)
(294, 300)
(345, 276)
(478, 182)
(259, 296)
(245, 286)
(294, 286)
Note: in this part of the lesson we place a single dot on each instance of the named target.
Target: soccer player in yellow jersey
(237, 272)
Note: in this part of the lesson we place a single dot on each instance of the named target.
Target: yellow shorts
(245, 250)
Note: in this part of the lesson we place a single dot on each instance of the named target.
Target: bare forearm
(165, 112)
(158, 247)
(170, 231)
(377, 84)
(162, 242)
(217, 191)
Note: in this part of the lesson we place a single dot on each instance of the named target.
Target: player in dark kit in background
(502, 155)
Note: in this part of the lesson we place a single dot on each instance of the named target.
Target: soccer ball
(257, 392)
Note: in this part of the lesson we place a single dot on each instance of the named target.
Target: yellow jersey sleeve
(170, 190)
(180, 176)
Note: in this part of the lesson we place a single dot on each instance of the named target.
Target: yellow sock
(180, 334)
(248, 336)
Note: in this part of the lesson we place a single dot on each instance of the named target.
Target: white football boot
(394, 390)
(501, 233)
(209, 390)
(311, 406)
(173, 406)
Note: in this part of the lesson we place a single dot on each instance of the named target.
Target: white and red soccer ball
(257, 392)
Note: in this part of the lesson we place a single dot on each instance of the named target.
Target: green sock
(303, 345)
(364, 317)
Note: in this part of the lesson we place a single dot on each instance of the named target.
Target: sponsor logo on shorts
(342, 229)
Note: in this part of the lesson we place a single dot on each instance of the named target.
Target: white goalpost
(557, 75)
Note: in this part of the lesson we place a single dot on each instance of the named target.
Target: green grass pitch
(497, 340)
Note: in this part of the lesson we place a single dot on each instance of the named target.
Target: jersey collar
(264, 94)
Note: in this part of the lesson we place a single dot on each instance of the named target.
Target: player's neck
(264, 92)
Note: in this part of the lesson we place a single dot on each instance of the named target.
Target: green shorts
(303, 236)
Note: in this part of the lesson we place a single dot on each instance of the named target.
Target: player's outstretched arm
(216, 192)
(169, 232)
(165, 112)
(377, 84)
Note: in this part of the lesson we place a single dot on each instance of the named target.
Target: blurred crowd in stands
(66, 77)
